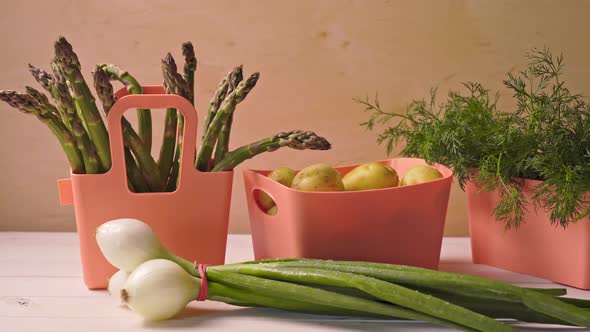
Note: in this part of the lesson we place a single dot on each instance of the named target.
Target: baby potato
(282, 175)
(370, 176)
(318, 177)
(420, 174)
(272, 211)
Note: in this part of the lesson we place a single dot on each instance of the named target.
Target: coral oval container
(185, 220)
(401, 225)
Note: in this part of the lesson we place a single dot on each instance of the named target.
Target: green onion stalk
(156, 284)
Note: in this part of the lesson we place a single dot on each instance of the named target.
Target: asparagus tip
(16, 100)
(65, 55)
(41, 76)
(251, 81)
(190, 60)
(169, 59)
(173, 81)
(104, 88)
(301, 140)
(34, 92)
(62, 42)
(188, 50)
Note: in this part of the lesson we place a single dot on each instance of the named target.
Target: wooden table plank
(248, 320)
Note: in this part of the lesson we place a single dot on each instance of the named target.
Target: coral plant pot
(192, 221)
(536, 248)
(402, 225)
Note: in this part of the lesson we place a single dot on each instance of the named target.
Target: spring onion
(161, 284)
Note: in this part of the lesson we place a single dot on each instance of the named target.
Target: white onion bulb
(116, 283)
(126, 243)
(159, 289)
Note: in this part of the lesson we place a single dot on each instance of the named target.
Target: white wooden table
(41, 290)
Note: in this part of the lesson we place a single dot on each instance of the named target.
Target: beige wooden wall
(314, 56)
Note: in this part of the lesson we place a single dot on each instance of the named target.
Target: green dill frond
(511, 207)
(546, 138)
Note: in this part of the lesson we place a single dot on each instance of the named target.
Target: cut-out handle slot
(265, 202)
(154, 97)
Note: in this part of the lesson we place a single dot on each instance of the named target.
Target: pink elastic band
(203, 289)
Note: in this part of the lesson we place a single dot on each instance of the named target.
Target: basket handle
(261, 183)
(154, 97)
(254, 196)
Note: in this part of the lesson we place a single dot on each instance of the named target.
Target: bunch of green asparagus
(74, 118)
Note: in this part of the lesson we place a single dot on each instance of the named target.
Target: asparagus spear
(222, 145)
(60, 93)
(172, 79)
(42, 77)
(104, 90)
(144, 116)
(190, 66)
(227, 107)
(167, 150)
(218, 98)
(28, 105)
(68, 64)
(87, 149)
(145, 162)
(41, 102)
(49, 84)
(135, 179)
(295, 139)
(174, 84)
(87, 152)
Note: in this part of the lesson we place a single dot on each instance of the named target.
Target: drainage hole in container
(265, 202)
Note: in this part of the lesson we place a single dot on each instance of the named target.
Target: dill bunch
(546, 138)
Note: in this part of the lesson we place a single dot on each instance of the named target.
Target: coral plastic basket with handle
(400, 225)
(192, 221)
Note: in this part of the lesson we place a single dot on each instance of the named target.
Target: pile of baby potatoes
(323, 177)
